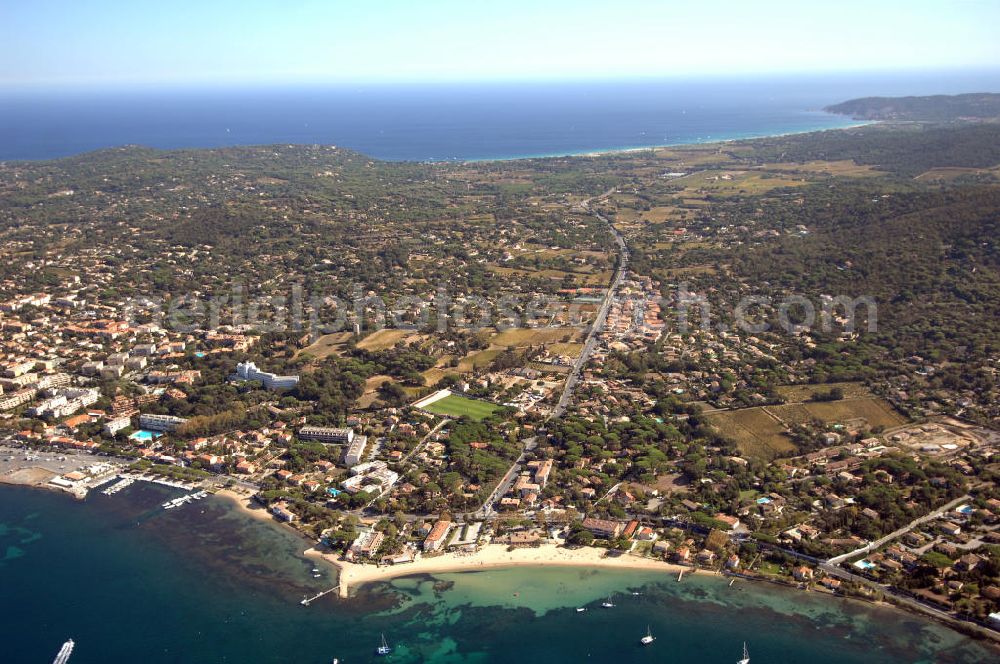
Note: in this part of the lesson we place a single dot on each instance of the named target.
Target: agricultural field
(458, 406)
(585, 276)
(797, 393)
(875, 412)
(729, 183)
(841, 168)
(754, 431)
(687, 157)
(762, 431)
(568, 349)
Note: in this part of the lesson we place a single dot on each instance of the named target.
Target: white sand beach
(491, 556)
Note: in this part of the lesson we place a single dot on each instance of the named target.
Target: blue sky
(129, 42)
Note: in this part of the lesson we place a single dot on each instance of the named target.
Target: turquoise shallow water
(205, 583)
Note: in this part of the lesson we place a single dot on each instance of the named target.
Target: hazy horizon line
(136, 85)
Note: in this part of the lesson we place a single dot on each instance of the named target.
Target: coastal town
(605, 428)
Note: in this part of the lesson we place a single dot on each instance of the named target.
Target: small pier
(123, 483)
(309, 600)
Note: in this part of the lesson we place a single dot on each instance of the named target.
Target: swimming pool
(143, 434)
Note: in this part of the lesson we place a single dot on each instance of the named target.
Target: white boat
(63, 656)
(383, 649)
(608, 604)
(581, 609)
(746, 656)
(649, 638)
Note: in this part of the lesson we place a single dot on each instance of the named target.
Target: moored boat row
(184, 500)
(649, 638)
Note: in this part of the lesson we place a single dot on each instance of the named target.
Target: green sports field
(456, 406)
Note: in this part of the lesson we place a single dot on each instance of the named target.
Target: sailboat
(649, 638)
(746, 657)
(383, 649)
(608, 604)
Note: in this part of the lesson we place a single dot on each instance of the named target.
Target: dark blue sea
(208, 583)
(447, 121)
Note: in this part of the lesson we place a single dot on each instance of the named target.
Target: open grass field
(384, 339)
(948, 173)
(660, 214)
(434, 374)
(561, 369)
(842, 168)
(755, 432)
(689, 270)
(458, 406)
(373, 382)
(477, 360)
(370, 395)
(327, 345)
(534, 336)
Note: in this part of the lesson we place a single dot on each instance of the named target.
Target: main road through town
(489, 505)
(598, 325)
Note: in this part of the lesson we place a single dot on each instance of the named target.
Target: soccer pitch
(456, 406)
